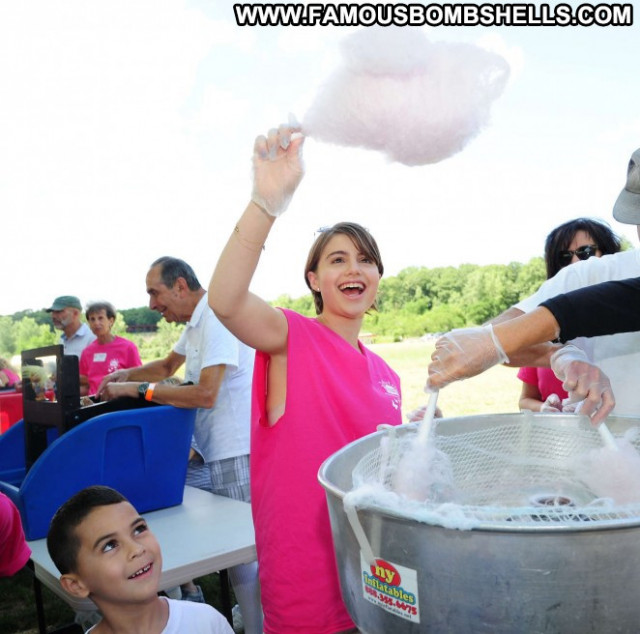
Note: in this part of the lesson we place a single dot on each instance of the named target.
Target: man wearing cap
(65, 314)
(618, 356)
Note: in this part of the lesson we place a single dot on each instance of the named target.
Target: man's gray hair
(173, 268)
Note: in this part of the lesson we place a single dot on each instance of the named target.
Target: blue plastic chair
(12, 456)
(143, 453)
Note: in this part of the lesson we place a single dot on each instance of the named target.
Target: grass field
(495, 391)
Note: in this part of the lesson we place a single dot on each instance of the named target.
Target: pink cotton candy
(416, 101)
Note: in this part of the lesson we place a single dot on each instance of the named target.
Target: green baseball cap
(65, 301)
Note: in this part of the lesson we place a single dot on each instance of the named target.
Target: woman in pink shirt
(315, 389)
(108, 352)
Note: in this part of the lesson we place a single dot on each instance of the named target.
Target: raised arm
(277, 165)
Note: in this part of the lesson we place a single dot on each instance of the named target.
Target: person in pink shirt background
(108, 352)
(316, 387)
(8, 378)
(570, 242)
(14, 551)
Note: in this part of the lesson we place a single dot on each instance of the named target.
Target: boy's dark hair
(173, 268)
(62, 542)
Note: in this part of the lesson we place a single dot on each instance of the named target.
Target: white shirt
(618, 356)
(195, 618)
(222, 431)
(188, 617)
(78, 341)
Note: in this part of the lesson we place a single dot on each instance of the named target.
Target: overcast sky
(126, 132)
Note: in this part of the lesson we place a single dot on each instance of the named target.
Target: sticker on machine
(392, 587)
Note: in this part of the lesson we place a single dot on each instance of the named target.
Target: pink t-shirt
(99, 359)
(544, 379)
(335, 394)
(14, 552)
(12, 377)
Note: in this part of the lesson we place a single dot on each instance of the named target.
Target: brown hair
(96, 307)
(360, 237)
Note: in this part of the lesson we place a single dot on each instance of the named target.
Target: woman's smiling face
(347, 279)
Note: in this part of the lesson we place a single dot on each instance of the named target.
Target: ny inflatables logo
(387, 573)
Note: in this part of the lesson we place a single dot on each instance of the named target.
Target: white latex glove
(277, 168)
(552, 405)
(584, 382)
(463, 353)
(571, 407)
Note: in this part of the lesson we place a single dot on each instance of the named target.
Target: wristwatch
(142, 389)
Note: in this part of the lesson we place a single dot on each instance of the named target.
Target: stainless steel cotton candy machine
(523, 546)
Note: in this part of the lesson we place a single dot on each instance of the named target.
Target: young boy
(105, 551)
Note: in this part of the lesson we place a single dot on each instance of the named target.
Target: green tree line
(420, 300)
(33, 329)
(417, 301)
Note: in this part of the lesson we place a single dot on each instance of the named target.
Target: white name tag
(99, 356)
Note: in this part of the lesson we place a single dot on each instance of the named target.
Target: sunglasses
(582, 253)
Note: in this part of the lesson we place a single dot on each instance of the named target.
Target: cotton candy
(415, 101)
(424, 474)
(611, 473)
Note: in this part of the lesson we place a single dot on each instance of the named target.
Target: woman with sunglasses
(315, 389)
(568, 243)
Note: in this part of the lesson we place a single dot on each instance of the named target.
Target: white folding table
(206, 533)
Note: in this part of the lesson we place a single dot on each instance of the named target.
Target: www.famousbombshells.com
(521, 14)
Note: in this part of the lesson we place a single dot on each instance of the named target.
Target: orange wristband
(148, 395)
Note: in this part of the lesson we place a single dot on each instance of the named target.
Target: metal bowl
(504, 577)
